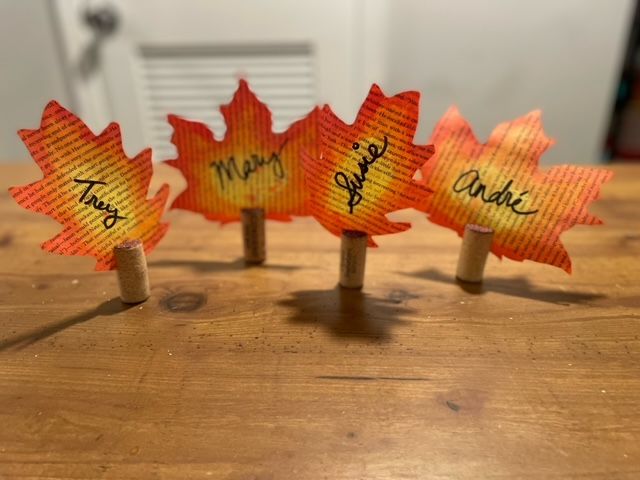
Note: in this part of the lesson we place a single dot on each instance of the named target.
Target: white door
(136, 61)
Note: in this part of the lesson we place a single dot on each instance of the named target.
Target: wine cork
(133, 275)
(476, 245)
(353, 256)
(253, 235)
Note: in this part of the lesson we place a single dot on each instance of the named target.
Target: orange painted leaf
(365, 170)
(91, 188)
(251, 167)
(499, 185)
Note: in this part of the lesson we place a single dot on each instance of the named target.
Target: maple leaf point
(499, 185)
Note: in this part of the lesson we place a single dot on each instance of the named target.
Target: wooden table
(273, 372)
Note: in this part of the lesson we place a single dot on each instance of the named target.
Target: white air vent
(194, 82)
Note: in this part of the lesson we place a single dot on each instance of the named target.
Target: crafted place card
(91, 188)
(249, 175)
(363, 172)
(498, 186)
(251, 167)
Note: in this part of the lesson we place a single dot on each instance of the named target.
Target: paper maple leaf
(499, 185)
(250, 167)
(365, 170)
(91, 188)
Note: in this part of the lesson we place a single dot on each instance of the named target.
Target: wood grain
(272, 372)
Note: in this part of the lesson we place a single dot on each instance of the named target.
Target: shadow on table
(207, 266)
(515, 287)
(349, 313)
(110, 307)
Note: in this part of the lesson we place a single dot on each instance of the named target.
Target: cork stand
(133, 276)
(253, 235)
(353, 255)
(476, 245)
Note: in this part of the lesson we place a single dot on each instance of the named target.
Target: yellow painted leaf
(500, 186)
(365, 170)
(91, 188)
(251, 167)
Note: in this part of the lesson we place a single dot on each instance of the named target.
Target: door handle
(103, 20)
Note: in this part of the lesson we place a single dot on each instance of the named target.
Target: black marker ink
(111, 219)
(470, 181)
(229, 170)
(354, 186)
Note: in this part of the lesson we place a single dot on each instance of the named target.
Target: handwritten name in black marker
(470, 183)
(89, 198)
(229, 170)
(353, 186)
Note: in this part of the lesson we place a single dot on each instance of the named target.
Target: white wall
(495, 59)
(499, 59)
(30, 73)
